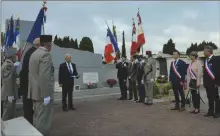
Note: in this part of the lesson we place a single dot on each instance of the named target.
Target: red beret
(148, 52)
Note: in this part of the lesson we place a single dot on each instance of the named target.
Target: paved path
(126, 118)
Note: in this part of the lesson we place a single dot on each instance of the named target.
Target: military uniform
(41, 86)
(129, 81)
(9, 86)
(149, 76)
(133, 78)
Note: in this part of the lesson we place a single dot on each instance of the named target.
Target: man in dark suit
(211, 80)
(177, 79)
(23, 90)
(122, 75)
(67, 73)
(140, 74)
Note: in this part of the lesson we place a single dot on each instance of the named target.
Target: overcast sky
(184, 22)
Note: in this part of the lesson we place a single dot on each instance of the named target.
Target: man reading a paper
(67, 73)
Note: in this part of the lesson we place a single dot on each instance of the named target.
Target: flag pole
(44, 7)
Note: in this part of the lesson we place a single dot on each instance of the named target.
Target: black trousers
(28, 109)
(213, 99)
(141, 91)
(178, 90)
(130, 89)
(134, 88)
(195, 98)
(67, 90)
(123, 87)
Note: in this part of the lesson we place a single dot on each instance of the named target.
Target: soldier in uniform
(129, 79)
(133, 76)
(27, 103)
(149, 77)
(41, 85)
(9, 86)
(122, 77)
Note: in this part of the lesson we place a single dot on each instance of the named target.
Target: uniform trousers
(213, 99)
(149, 86)
(43, 115)
(9, 109)
(141, 91)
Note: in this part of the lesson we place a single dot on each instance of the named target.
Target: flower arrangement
(111, 82)
(162, 79)
(90, 85)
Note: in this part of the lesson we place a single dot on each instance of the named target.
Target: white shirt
(210, 57)
(69, 65)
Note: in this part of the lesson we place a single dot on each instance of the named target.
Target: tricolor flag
(114, 33)
(134, 45)
(108, 50)
(16, 43)
(6, 32)
(10, 37)
(140, 32)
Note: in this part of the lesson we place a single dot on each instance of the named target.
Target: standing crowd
(140, 72)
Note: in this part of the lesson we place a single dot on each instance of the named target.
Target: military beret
(148, 52)
(10, 52)
(45, 38)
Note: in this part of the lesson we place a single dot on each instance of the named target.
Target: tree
(200, 47)
(72, 43)
(123, 50)
(66, 42)
(86, 44)
(76, 44)
(2, 38)
(169, 47)
(55, 40)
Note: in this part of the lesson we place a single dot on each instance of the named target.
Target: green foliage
(123, 46)
(200, 47)
(2, 38)
(86, 44)
(169, 47)
(76, 46)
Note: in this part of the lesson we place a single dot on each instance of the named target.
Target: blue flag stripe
(113, 41)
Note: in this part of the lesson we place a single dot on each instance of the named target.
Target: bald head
(37, 42)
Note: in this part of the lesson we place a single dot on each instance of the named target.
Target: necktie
(70, 70)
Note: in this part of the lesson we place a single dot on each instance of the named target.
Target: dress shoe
(175, 108)
(130, 98)
(197, 111)
(192, 111)
(140, 101)
(65, 109)
(216, 116)
(209, 114)
(182, 109)
(148, 103)
(72, 108)
(121, 98)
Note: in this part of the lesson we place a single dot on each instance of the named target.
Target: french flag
(140, 32)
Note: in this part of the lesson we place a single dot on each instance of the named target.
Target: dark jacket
(140, 72)
(65, 77)
(182, 70)
(24, 72)
(122, 70)
(215, 68)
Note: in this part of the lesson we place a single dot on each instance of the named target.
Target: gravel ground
(126, 118)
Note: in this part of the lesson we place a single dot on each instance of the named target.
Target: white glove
(136, 61)
(18, 81)
(11, 98)
(142, 81)
(118, 61)
(129, 77)
(46, 100)
(16, 63)
(125, 65)
(142, 61)
(152, 80)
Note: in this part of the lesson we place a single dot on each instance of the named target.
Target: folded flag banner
(134, 45)
(6, 32)
(113, 40)
(114, 32)
(16, 43)
(10, 37)
(140, 32)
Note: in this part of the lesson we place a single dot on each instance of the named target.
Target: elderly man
(27, 103)
(41, 84)
(67, 73)
(149, 77)
(211, 82)
(9, 86)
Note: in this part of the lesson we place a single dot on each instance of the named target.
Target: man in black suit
(211, 80)
(122, 75)
(67, 73)
(23, 90)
